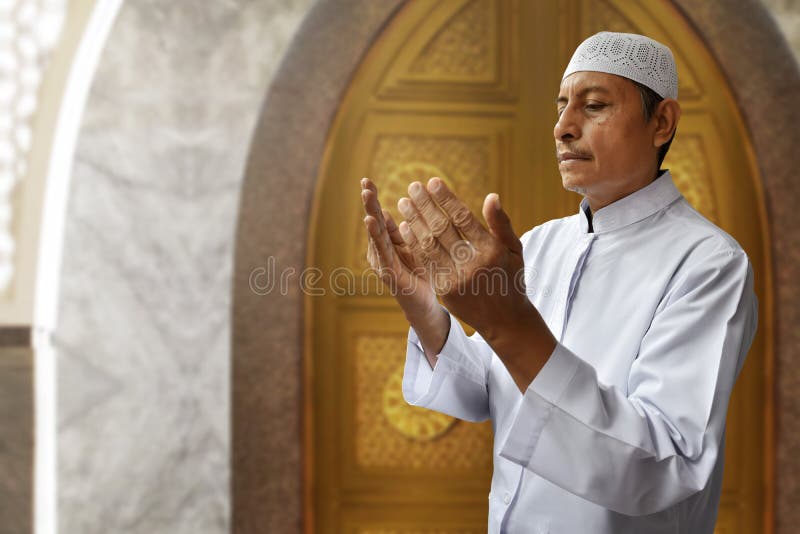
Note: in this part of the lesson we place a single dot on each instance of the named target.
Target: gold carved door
(465, 90)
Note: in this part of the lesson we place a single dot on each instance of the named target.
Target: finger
(366, 183)
(440, 225)
(391, 227)
(369, 196)
(400, 247)
(429, 248)
(372, 253)
(372, 207)
(377, 240)
(412, 244)
(500, 223)
(408, 237)
(458, 213)
(383, 253)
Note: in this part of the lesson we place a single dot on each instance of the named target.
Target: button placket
(562, 290)
(572, 281)
(577, 272)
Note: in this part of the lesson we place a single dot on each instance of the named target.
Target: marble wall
(144, 316)
(143, 336)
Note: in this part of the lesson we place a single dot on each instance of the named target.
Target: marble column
(143, 337)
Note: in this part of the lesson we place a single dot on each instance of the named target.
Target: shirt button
(506, 497)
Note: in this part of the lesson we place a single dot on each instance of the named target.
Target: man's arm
(640, 449)
(478, 273)
(454, 384)
(457, 384)
(432, 334)
(402, 274)
(462, 259)
(636, 450)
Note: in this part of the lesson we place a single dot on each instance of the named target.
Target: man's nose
(567, 127)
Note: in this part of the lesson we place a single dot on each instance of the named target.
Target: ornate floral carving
(606, 17)
(422, 425)
(688, 164)
(463, 46)
(389, 435)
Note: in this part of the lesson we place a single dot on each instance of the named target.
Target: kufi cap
(631, 56)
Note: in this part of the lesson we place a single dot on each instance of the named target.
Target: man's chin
(573, 183)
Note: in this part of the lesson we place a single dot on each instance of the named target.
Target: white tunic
(622, 431)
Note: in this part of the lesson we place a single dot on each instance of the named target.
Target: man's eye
(595, 107)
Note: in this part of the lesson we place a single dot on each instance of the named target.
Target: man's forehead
(579, 83)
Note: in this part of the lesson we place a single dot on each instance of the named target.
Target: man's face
(604, 147)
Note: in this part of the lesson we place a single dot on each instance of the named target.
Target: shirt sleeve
(645, 449)
(457, 386)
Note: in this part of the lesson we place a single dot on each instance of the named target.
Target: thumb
(500, 223)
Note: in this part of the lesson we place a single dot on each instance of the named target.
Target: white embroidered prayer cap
(631, 56)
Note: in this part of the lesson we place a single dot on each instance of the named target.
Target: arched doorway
(464, 89)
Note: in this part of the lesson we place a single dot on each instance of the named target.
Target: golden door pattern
(465, 90)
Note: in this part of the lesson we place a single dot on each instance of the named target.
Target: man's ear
(667, 115)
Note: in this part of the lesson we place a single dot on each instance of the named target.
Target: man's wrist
(432, 330)
(524, 345)
(429, 315)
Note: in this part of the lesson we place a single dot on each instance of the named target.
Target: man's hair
(650, 100)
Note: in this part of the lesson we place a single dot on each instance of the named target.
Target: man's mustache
(573, 150)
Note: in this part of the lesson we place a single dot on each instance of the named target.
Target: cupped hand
(400, 270)
(477, 272)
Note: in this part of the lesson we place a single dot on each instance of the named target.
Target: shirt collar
(633, 208)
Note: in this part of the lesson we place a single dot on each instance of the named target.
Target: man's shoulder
(697, 234)
(679, 228)
(703, 255)
(686, 248)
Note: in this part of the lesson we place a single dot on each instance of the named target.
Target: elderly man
(606, 361)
